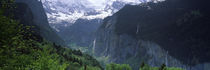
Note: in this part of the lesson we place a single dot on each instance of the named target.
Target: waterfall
(94, 45)
(166, 59)
(137, 29)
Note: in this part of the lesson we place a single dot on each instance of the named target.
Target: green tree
(114, 66)
(163, 67)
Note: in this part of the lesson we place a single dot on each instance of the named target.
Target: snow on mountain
(59, 11)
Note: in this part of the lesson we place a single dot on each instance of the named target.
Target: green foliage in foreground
(113, 66)
(17, 53)
(163, 67)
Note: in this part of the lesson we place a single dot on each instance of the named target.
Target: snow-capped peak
(71, 10)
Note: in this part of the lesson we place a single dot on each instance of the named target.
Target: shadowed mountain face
(32, 13)
(180, 27)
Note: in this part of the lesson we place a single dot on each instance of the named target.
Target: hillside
(26, 45)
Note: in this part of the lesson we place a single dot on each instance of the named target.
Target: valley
(104, 35)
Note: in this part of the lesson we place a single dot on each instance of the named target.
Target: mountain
(59, 11)
(32, 13)
(174, 32)
(81, 33)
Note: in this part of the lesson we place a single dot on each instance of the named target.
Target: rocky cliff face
(31, 12)
(173, 32)
(126, 49)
